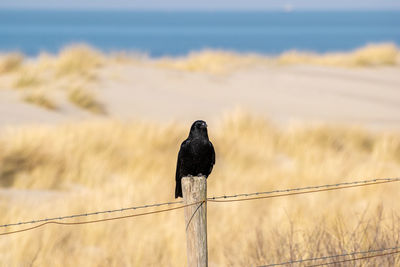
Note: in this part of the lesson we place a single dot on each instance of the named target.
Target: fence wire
(312, 189)
(90, 214)
(388, 251)
(224, 198)
(100, 220)
(355, 259)
(229, 198)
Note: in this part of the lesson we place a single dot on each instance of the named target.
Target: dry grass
(78, 59)
(41, 99)
(212, 61)
(85, 99)
(10, 62)
(370, 55)
(80, 64)
(51, 171)
(27, 78)
(220, 61)
(76, 64)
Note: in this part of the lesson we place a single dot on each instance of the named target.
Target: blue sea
(178, 33)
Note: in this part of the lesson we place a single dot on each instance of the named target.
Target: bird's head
(199, 128)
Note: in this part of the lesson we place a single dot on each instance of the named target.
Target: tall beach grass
(80, 66)
(372, 55)
(84, 167)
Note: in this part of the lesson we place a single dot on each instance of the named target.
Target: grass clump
(10, 62)
(370, 55)
(375, 55)
(78, 59)
(77, 64)
(212, 61)
(40, 99)
(85, 99)
(27, 78)
(216, 62)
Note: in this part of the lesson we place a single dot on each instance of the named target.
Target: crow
(196, 156)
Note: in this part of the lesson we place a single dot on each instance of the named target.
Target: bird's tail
(178, 189)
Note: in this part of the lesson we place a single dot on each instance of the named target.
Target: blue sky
(204, 4)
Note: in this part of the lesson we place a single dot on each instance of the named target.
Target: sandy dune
(365, 96)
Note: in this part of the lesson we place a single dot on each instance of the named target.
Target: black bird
(196, 156)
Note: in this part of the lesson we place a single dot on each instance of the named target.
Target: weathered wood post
(194, 190)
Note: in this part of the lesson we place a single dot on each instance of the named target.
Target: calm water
(177, 33)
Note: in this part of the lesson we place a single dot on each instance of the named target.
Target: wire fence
(90, 214)
(355, 259)
(383, 252)
(340, 258)
(224, 198)
(301, 190)
(99, 220)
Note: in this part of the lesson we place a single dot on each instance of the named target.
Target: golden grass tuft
(84, 167)
(85, 99)
(370, 55)
(376, 55)
(212, 61)
(41, 99)
(78, 59)
(75, 64)
(10, 62)
(27, 78)
(217, 62)
(123, 57)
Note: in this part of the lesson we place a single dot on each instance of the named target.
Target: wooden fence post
(194, 190)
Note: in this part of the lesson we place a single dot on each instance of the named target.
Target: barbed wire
(355, 259)
(297, 193)
(225, 198)
(99, 220)
(313, 188)
(90, 214)
(355, 253)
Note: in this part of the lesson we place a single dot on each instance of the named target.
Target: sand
(369, 97)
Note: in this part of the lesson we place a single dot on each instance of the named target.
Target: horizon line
(130, 9)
